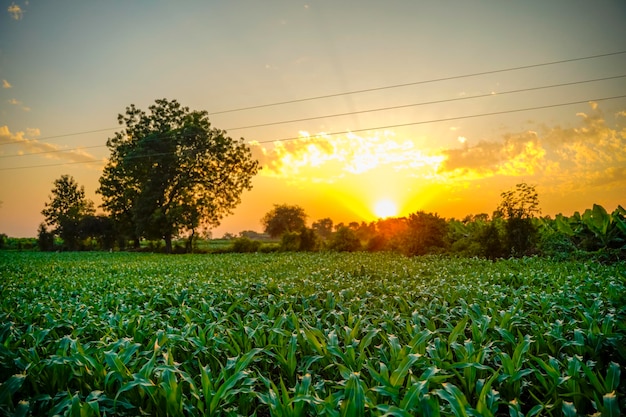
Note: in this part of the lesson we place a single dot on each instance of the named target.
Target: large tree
(170, 172)
(283, 218)
(66, 208)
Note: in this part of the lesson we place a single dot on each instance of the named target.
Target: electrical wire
(328, 116)
(433, 80)
(323, 135)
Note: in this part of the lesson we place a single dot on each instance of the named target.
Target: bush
(245, 245)
(344, 240)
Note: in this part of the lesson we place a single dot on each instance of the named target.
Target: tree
(171, 172)
(283, 218)
(518, 207)
(344, 240)
(66, 208)
(323, 227)
(425, 233)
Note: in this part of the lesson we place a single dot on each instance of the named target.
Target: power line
(426, 103)
(322, 135)
(432, 80)
(471, 116)
(359, 111)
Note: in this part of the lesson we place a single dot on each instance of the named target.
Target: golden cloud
(6, 84)
(326, 158)
(591, 153)
(47, 150)
(15, 11)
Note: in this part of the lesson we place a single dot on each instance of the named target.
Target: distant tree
(3, 239)
(283, 218)
(171, 172)
(344, 240)
(323, 227)
(66, 208)
(518, 208)
(99, 228)
(45, 238)
(425, 233)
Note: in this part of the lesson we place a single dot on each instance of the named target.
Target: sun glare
(385, 208)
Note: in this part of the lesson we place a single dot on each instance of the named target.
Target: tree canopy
(66, 208)
(283, 218)
(171, 172)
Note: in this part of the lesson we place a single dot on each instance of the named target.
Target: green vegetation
(287, 334)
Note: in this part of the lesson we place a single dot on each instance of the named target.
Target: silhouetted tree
(425, 233)
(323, 227)
(283, 218)
(45, 238)
(344, 240)
(518, 207)
(169, 172)
(66, 208)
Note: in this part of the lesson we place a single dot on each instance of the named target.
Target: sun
(385, 208)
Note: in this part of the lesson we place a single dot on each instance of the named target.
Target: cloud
(15, 11)
(47, 150)
(327, 158)
(6, 84)
(589, 154)
(19, 104)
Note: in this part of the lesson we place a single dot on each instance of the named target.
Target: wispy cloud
(6, 84)
(15, 11)
(18, 103)
(27, 144)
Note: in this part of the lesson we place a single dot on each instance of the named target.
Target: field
(284, 334)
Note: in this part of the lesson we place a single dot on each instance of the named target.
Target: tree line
(170, 174)
(515, 228)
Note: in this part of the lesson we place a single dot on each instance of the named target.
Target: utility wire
(426, 103)
(454, 77)
(447, 119)
(358, 112)
(432, 80)
(323, 135)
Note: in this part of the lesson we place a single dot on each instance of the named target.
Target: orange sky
(439, 107)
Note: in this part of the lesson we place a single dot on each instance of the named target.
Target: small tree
(45, 238)
(344, 240)
(323, 227)
(66, 208)
(518, 208)
(283, 218)
(425, 233)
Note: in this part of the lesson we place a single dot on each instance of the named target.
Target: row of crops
(287, 334)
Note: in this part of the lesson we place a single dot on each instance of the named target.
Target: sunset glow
(385, 208)
(348, 123)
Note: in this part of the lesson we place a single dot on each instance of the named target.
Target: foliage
(323, 227)
(244, 244)
(519, 207)
(66, 208)
(283, 218)
(344, 240)
(309, 334)
(170, 172)
(45, 238)
(425, 234)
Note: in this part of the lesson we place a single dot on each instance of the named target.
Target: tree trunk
(168, 243)
(190, 241)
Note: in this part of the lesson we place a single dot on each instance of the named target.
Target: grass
(288, 334)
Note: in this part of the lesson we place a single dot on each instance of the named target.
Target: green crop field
(286, 334)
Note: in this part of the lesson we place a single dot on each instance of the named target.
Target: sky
(429, 105)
